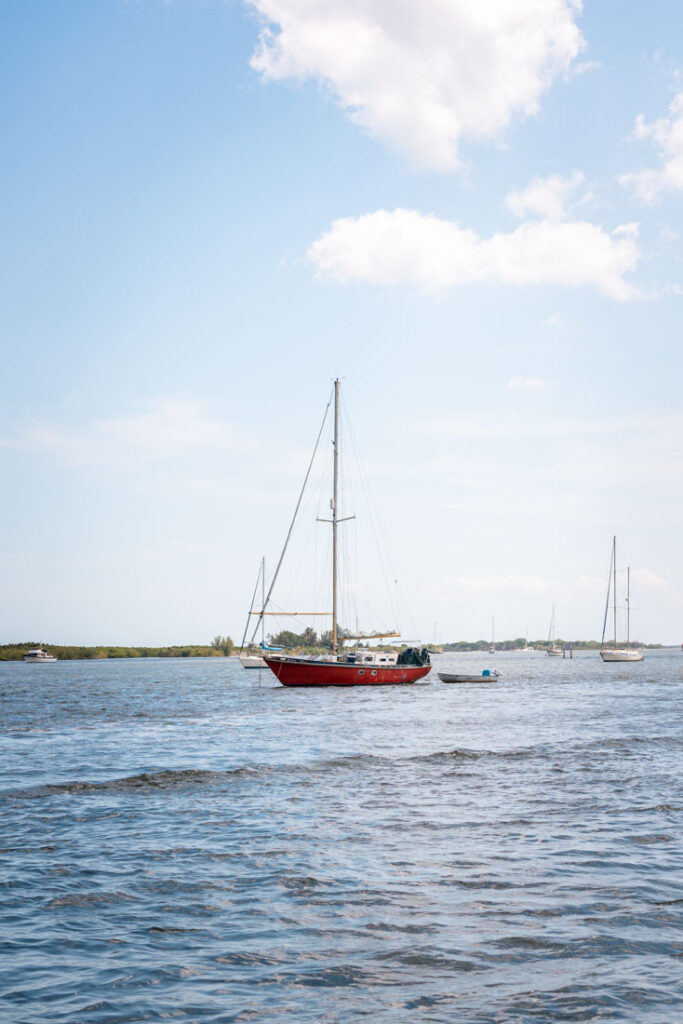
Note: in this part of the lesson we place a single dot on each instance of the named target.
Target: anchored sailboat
(615, 651)
(553, 650)
(355, 668)
(250, 656)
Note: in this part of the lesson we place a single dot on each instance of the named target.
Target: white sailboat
(553, 650)
(249, 655)
(615, 651)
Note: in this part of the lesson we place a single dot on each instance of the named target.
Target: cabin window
(361, 671)
(374, 671)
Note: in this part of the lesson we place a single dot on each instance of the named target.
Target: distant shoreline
(15, 652)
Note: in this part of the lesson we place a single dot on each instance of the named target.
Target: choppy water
(187, 841)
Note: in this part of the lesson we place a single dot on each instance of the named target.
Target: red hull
(302, 672)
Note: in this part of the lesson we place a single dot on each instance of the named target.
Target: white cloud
(423, 74)
(166, 429)
(408, 248)
(546, 197)
(667, 132)
(530, 383)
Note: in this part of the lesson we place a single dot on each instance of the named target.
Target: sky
(469, 213)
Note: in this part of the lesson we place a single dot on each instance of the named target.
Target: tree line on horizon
(220, 647)
(308, 641)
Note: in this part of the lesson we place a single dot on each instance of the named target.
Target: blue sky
(211, 209)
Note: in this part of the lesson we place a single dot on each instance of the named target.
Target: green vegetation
(220, 647)
(223, 645)
(308, 642)
(519, 643)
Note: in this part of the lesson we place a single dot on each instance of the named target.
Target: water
(186, 841)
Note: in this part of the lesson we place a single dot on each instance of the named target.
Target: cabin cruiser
(37, 656)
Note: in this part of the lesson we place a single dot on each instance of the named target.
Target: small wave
(448, 756)
(158, 930)
(89, 899)
(164, 779)
(253, 959)
(427, 958)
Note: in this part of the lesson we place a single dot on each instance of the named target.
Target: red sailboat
(352, 668)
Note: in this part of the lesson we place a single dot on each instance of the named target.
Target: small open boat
(486, 677)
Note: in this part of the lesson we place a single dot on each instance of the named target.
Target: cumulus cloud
(545, 197)
(408, 248)
(423, 74)
(667, 133)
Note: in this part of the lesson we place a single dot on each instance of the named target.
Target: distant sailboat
(553, 650)
(250, 656)
(615, 652)
(492, 648)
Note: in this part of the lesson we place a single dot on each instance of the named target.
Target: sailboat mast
(614, 570)
(335, 486)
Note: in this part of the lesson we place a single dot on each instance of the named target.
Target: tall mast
(614, 570)
(334, 517)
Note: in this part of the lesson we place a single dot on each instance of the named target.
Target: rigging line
(375, 522)
(305, 543)
(373, 516)
(308, 542)
(609, 585)
(296, 512)
(251, 606)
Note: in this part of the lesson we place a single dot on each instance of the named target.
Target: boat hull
(303, 672)
(446, 677)
(628, 654)
(252, 661)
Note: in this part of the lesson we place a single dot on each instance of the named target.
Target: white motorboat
(616, 651)
(37, 656)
